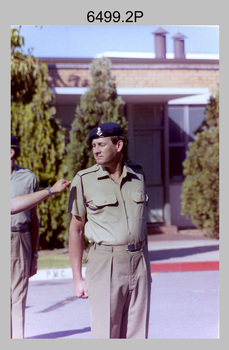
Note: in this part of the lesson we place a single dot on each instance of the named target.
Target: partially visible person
(28, 201)
(24, 242)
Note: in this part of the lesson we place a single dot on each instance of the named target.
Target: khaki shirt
(115, 212)
(23, 181)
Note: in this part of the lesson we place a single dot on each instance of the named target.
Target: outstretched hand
(60, 186)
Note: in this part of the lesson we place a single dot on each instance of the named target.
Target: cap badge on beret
(99, 131)
(105, 130)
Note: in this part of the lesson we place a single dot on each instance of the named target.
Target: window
(183, 123)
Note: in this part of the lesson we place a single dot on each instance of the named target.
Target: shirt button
(129, 233)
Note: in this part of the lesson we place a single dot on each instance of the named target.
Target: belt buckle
(131, 247)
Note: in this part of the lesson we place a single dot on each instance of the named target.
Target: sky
(91, 40)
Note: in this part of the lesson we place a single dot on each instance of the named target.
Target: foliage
(41, 138)
(24, 71)
(200, 189)
(99, 104)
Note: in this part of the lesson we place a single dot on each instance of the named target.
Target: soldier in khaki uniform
(24, 242)
(107, 203)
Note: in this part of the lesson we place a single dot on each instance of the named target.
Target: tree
(41, 137)
(200, 189)
(99, 104)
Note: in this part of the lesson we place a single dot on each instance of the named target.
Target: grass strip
(56, 259)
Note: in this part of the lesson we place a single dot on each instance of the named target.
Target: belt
(20, 228)
(130, 247)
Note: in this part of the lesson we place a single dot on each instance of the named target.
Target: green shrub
(200, 189)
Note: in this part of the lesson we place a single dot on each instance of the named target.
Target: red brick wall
(173, 77)
(168, 78)
(68, 77)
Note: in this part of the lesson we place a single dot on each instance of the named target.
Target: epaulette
(92, 169)
(23, 170)
(133, 164)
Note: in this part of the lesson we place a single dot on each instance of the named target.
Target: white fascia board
(162, 91)
(132, 95)
(136, 91)
(68, 90)
(158, 95)
(191, 100)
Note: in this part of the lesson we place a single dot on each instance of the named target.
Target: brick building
(165, 99)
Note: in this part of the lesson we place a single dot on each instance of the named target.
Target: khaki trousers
(20, 271)
(119, 284)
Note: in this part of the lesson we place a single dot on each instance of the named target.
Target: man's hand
(33, 266)
(60, 186)
(80, 289)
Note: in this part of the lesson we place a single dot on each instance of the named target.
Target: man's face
(12, 153)
(104, 151)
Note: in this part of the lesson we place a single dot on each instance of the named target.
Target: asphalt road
(184, 305)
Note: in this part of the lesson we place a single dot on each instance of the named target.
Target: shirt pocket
(104, 208)
(139, 202)
(139, 196)
(102, 201)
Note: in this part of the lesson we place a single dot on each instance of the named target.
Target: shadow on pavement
(59, 304)
(180, 252)
(61, 334)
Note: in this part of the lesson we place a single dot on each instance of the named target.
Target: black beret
(14, 142)
(104, 130)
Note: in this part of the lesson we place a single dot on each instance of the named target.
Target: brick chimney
(179, 51)
(160, 42)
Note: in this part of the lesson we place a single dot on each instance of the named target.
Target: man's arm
(76, 247)
(34, 229)
(30, 200)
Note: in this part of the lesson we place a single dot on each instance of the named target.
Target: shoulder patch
(92, 169)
